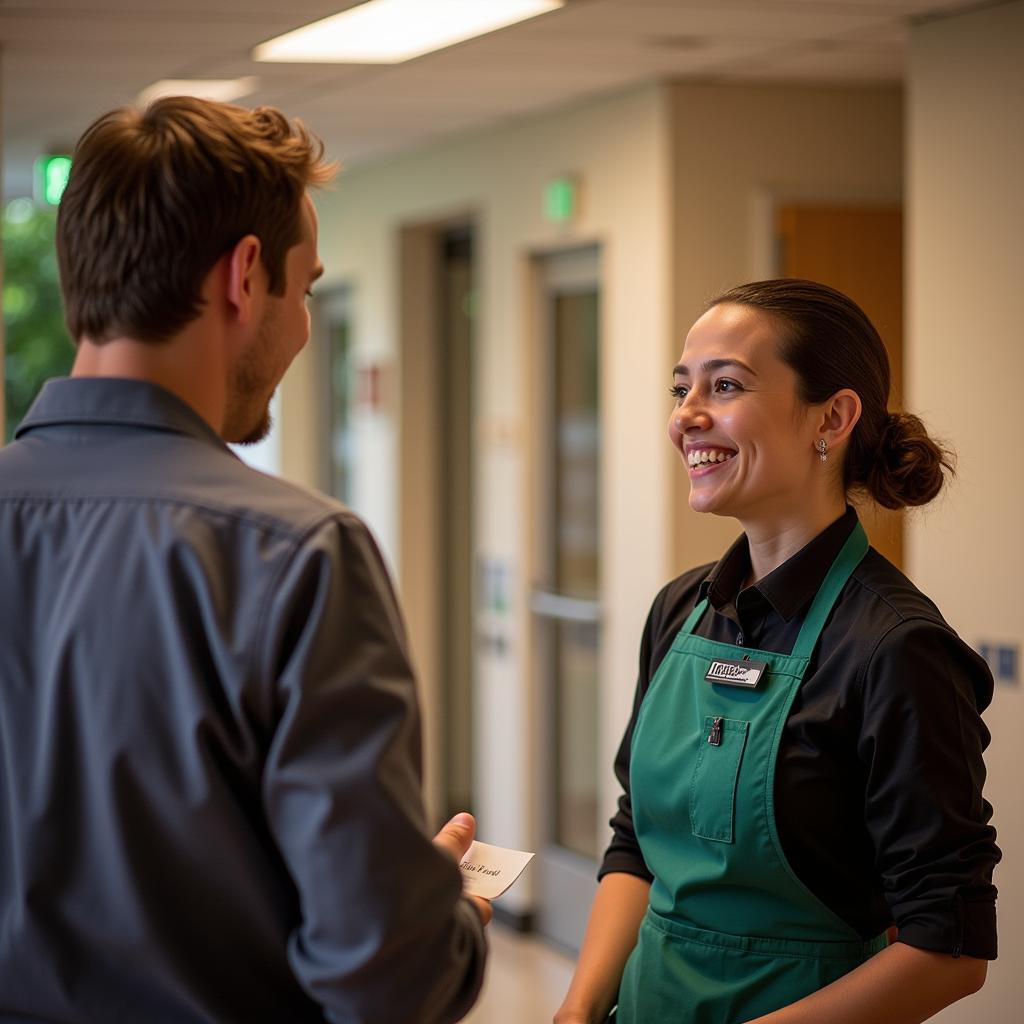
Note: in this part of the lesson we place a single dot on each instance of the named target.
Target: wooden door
(859, 251)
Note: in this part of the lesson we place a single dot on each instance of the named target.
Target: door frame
(765, 201)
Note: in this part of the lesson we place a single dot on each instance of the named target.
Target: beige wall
(965, 366)
(739, 149)
(618, 146)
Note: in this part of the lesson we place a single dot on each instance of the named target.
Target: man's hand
(455, 839)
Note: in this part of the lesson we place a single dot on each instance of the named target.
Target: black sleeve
(664, 620)
(385, 934)
(623, 852)
(921, 742)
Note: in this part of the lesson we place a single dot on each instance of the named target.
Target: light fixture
(391, 31)
(222, 89)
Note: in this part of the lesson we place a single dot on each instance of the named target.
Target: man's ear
(839, 415)
(243, 269)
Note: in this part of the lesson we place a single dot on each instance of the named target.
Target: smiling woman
(772, 370)
(805, 660)
(738, 421)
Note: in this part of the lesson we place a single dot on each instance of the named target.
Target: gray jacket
(210, 793)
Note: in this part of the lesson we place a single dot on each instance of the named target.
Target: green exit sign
(560, 199)
(51, 178)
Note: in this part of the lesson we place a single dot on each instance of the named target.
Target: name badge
(744, 673)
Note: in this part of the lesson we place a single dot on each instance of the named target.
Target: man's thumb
(457, 835)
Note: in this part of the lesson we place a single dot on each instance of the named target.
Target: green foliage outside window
(37, 342)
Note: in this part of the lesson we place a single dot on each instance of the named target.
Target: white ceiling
(66, 61)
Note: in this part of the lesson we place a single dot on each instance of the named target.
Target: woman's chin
(707, 502)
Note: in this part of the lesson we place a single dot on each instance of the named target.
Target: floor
(526, 980)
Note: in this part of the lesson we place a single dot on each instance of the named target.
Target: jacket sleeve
(385, 934)
(921, 741)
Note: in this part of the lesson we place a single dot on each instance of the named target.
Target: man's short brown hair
(157, 196)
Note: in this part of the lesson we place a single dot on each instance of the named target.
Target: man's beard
(252, 384)
(260, 431)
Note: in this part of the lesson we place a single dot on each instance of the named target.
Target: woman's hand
(615, 917)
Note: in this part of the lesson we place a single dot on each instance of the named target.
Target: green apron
(731, 933)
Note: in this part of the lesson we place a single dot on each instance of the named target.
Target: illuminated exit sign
(51, 178)
(561, 199)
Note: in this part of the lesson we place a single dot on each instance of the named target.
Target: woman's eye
(725, 386)
(678, 391)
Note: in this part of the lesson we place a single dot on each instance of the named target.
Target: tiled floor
(526, 980)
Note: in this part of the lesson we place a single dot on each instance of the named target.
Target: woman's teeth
(706, 455)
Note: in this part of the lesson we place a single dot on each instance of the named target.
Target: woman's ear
(242, 269)
(839, 415)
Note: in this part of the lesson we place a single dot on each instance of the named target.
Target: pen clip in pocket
(715, 777)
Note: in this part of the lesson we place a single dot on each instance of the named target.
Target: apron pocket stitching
(713, 783)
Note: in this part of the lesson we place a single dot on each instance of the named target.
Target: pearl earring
(822, 446)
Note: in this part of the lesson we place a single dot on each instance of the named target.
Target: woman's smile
(703, 459)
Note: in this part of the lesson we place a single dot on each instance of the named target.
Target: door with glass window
(565, 601)
(333, 317)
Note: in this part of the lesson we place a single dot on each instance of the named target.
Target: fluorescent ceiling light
(390, 31)
(223, 89)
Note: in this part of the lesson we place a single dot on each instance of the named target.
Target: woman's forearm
(899, 985)
(615, 917)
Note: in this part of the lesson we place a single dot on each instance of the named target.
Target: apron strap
(693, 618)
(855, 548)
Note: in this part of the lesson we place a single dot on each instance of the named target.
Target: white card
(488, 871)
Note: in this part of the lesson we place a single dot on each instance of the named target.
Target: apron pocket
(713, 786)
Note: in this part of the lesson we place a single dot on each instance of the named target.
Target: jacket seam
(246, 517)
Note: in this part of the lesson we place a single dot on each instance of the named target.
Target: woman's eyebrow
(710, 365)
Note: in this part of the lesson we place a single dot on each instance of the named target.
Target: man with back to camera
(210, 802)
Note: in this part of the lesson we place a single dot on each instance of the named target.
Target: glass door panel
(575, 558)
(566, 599)
(334, 320)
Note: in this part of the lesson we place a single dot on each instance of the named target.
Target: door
(456, 320)
(436, 528)
(566, 598)
(859, 251)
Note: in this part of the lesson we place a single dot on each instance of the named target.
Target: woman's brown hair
(830, 343)
(157, 196)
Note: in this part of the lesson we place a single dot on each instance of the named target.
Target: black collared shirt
(878, 787)
(210, 793)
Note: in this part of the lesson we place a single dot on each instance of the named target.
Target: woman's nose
(690, 414)
(693, 411)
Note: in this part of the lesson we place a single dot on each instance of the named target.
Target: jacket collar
(117, 402)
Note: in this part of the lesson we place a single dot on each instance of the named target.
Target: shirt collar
(114, 401)
(790, 587)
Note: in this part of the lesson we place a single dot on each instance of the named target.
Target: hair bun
(891, 439)
(908, 466)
